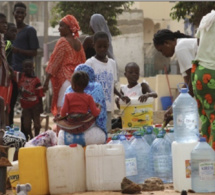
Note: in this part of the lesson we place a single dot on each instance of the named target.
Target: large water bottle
(203, 167)
(170, 136)
(130, 158)
(149, 136)
(161, 159)
(185, 117)
(142, 149)
(18, 133)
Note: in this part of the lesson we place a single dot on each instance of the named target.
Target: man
(24, 47)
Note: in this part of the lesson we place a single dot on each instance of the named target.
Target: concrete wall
(159, 84)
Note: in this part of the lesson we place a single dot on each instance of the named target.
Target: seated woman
(97, 133)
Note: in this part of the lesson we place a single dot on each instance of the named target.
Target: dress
(203, 77)
(61, 66)
(185, 51)
(97, 134)
(106, 75)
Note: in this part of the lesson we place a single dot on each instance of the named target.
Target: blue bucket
(166, 102)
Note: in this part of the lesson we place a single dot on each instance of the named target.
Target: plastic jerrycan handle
(179, 88)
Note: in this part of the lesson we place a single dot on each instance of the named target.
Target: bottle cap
(184, 90)
(122, 137)
(202, 139)
(160, 135)
(115, 137)
(73, 145)
(137, 134)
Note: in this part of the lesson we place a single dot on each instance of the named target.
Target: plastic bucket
(136, 114)
(166, 102)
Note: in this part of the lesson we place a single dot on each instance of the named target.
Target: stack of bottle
(186, 135)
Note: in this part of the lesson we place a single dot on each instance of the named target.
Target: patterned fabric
(61, 66)
(4, 67)
(76, 123)
(203, 81)
(13, 141)
(71, 21)
(95, 89)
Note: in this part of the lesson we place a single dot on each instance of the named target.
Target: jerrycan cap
(184, 90)
(115, 137)
(202, 139)
(160, 135)
(137, 134)
(73, 145)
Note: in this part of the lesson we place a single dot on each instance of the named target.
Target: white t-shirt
(135, 91)
(206, 51)
(185, 51)
(106, 75)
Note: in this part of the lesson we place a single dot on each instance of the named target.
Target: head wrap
(71, 21)
(98, 23)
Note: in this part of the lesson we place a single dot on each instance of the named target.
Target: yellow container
(13, 175)
(33, 169)
(136, 114)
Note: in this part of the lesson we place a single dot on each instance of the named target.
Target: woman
(67, 54)
(97, 23)
(96, 134)
(185, 48)
(203, 77)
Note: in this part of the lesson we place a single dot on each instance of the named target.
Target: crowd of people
(84, 76)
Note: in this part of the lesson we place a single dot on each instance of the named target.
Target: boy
(105, 71)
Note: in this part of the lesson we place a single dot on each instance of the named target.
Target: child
(135, 89)
(31, 93)
(5, 70)
(105, 71)
(77, 105)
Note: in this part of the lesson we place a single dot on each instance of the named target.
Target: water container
(159, 129)
(181, 165)
(136, 114)
(130, 158)
(142, 150)
(105, 167)
(66, 169)
(33, 169)
(13, 175)
(185, 117)
(170, 136)
(161, 159)
(149, 136)
(203, 167)
(18, 133)
(114, 140)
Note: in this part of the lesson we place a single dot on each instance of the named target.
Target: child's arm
(95, 110)
(121, 95)
(147, 92)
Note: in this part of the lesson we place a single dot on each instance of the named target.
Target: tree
(83, 11)
(194, 11)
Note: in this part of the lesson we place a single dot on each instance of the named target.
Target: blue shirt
(25, 39)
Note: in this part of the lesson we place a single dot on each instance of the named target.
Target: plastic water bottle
(149, 136)
(18, 133)
(130, 158)
(203, 167)
(185, 117)
(170, 136)
(114, 140)
(142, 149)
(161, 159)
(10, 131)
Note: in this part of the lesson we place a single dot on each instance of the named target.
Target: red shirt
(79, 103)
(30, 90)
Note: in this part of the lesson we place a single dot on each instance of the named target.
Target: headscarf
(98, 23)
(207, 21)
(71, 21)
(96, 91)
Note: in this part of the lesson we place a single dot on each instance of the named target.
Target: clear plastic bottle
(142, 149)
(185, 117)
(130, 158)
(114, 140)
(203, 167)
(18, 133)
(149, 136)
(170, 136)
(161, 159)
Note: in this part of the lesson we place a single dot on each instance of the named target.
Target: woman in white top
(184, 47)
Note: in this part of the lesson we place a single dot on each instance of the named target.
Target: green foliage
(194, 11)
(83, 11)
